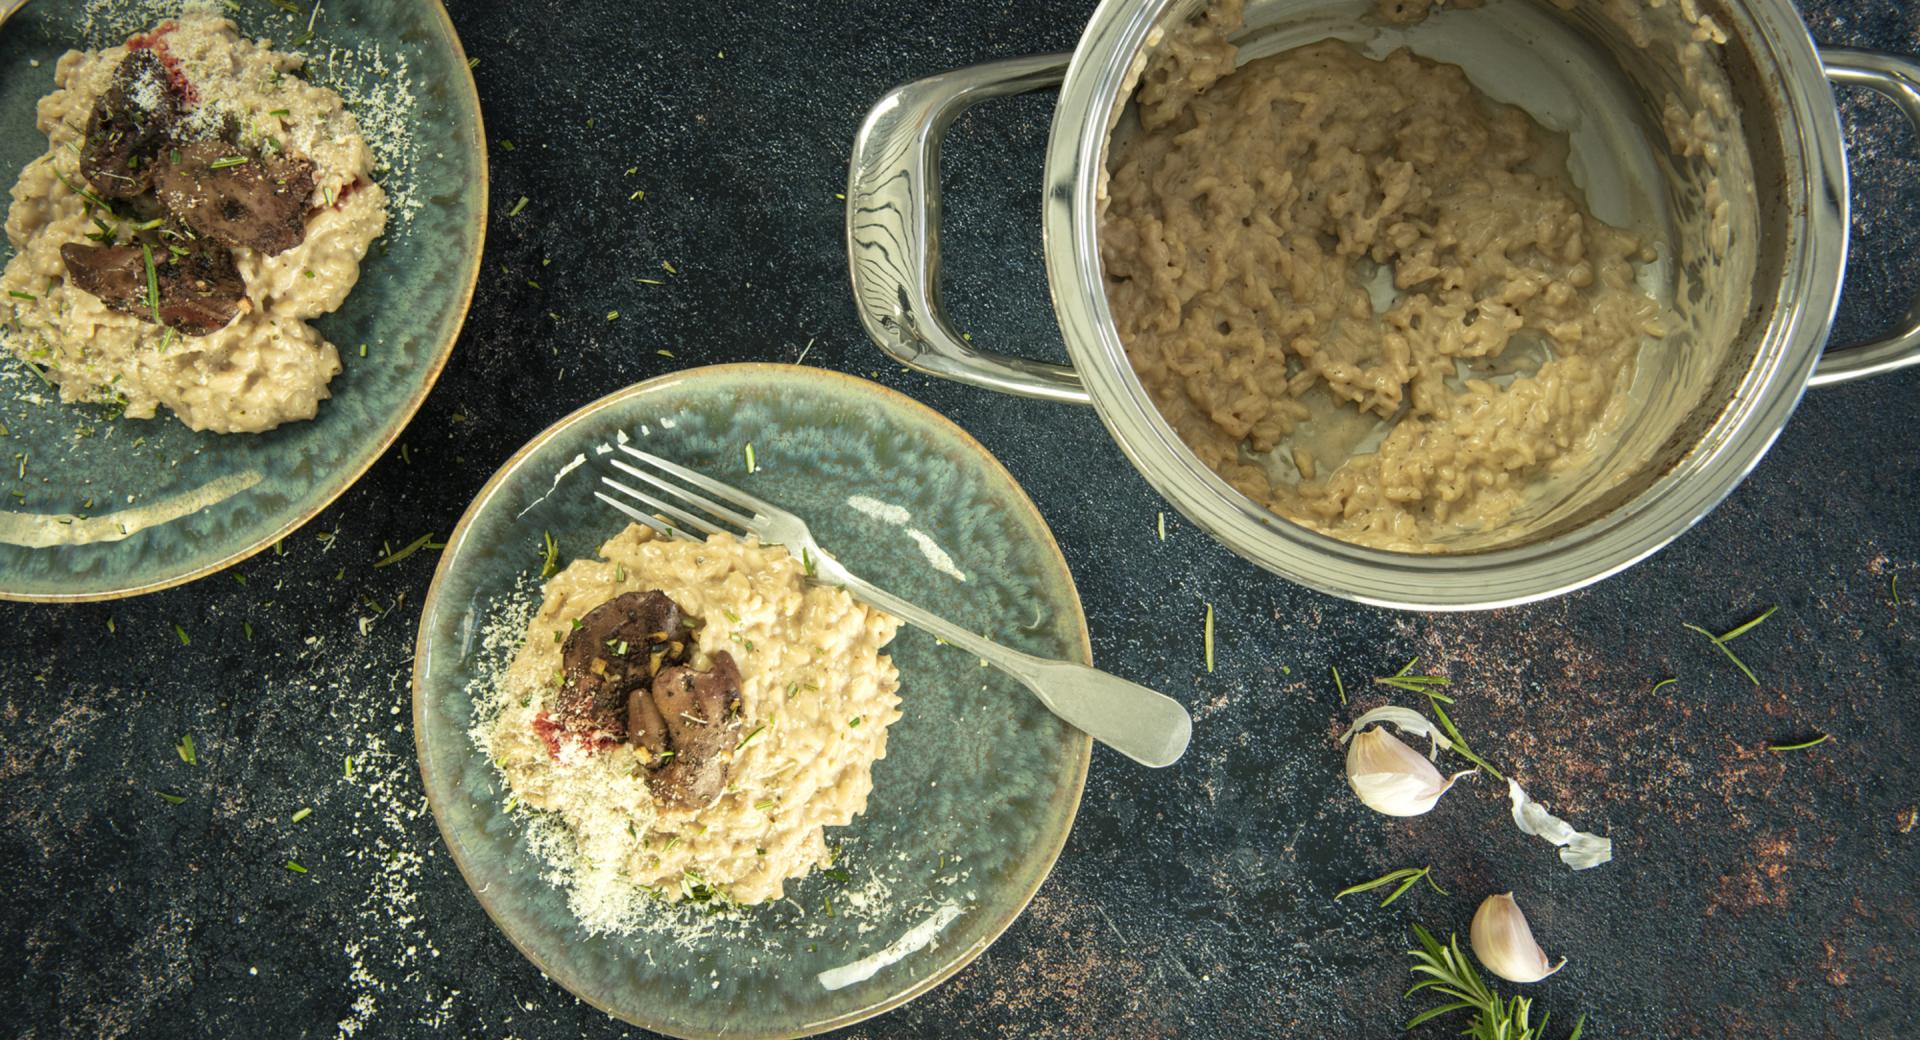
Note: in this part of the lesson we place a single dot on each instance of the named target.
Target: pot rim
(1813, 159)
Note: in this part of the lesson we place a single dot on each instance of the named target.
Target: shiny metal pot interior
(1713, 403)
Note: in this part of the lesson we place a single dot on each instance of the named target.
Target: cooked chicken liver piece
(236, 196)
(200, 291)
(129, 125)
(612, 653)
(699, 713)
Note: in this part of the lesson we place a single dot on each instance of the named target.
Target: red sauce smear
(341, 199)
(553, 734)
(155, 41)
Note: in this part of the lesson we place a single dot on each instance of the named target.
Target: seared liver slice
(200, 291)
(691, 722)
(612, 653)
(236, 196)
(129, 126)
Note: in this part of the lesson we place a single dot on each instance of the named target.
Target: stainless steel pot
(1710, 437)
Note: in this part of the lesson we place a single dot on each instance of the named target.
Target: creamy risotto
(197, 205)
(713, 778)
(1366, 295)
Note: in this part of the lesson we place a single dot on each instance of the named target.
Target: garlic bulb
(1389, 776)
(1504, 943)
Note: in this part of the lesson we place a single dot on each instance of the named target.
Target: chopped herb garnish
(1721, 641)
(171, 799)
(295, 866)
(425, 541)
(517, 207)
(279, 112)
(1207, 638)
(1407, 876)
(664, 353)
(153, 283)
(730, 615)
(18, 295)
(764, 804)
(473, 63)
(613, 315)
(300, 814)
(184, 748)
(506, 145)
(751, 465)
(349, 767)
(182, 633)
(667, 266)
(1803, 745)
(1162, 524)
(246, 629)
(550, 563)
(751, 737)
(1338, 685)
(227, 162)
(855, 721)
(807, 563)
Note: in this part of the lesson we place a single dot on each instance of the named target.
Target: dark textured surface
(1755, 894)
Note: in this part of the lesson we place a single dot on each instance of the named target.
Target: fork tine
(661, 526)
(689, 520)
(705, 483)
(696, 498)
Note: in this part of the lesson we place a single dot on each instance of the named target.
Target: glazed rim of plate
(401, 417)
(773, 371)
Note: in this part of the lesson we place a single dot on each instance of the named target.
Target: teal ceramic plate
(195, 502)
(979, 788)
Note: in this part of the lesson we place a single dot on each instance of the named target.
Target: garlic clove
(1392, 778)
(1504, 943)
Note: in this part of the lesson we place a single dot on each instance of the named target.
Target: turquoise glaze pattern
(980, 785)
(238, 494)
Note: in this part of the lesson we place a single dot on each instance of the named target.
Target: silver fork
(1148, 727)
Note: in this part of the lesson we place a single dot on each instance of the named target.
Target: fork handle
(1142, 724)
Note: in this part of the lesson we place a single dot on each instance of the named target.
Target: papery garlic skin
(1391, 777)
(1504, 943)
(1578, 849)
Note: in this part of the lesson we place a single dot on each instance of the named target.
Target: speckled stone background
(1755, 894)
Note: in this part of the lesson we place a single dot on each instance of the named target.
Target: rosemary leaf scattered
(550, 563)
(1402, 680)
(517, 207)
(300, 814)
(425, 541)
(1338, 685)
(1408, 876)
(295, 866)
(1207, 638)
(1803, 745)
(172, 799)
(185, 749)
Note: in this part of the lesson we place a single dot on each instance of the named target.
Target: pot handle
(893, 229)
(1898, 79)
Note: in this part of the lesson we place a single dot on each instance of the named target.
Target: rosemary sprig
(1447, 972)
(1453, 733)
(1407, 876)
(1721, 641)
(1401, 680)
